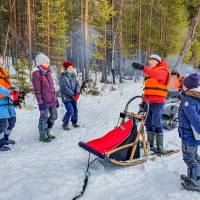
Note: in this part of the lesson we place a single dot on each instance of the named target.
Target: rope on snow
(87, 174)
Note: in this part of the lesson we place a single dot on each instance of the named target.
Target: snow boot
(185, 178)
(65, 127)
(190, 186)
(198, 157)
(75, 125)
(150, 140)
(2, 145)
(7, 140)
(5, 148)
(44, 137)
(159, 143)
(50, 136)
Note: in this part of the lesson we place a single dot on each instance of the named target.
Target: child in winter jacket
(155, 92)
(7, 110)
(189, 130)
(70, 92)
(46, 96)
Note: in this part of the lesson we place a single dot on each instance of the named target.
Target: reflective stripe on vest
(153, 87)
(4, 80)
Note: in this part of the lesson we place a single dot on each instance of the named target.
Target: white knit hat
(155, 57)
(41, 59)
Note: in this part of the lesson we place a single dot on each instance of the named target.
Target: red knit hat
(66, 64)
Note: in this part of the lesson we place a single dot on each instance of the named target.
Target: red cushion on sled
(112, 138)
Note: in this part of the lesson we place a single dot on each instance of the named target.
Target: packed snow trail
(37, 171)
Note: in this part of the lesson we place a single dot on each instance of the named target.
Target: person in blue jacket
(70, 92)
(7, 110)
(189, 131)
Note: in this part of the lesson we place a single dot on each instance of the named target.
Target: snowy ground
(36, 171)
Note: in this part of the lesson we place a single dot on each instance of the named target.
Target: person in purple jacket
(46, 96)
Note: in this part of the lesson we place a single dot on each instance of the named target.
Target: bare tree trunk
(189, 38)
(105, 55)
(139, 30)
(48, 28)
(113, 50)
(85, 38)
(121, 42)
(29, 36)
(82, 42)
(150, 26)
(161, 24)
(8, 29)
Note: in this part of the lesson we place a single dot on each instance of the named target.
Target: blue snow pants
(191, 158)
(72, 112)
(154, 118)
(6, 125)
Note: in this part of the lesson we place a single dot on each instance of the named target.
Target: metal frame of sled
(132, 146)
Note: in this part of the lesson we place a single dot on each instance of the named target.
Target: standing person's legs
(74, 117)
(3, 127)
(11, 124)
(68, 114)
(43, 126)
(149, 129)
(157, 112)
(197, 156)
(189, 157)
(52, 118)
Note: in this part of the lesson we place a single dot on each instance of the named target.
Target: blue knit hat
(192, 81)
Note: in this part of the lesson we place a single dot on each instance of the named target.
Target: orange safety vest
(4, 80)
(152, 86)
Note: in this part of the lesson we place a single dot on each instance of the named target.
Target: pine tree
(22, 75)
(51, 29)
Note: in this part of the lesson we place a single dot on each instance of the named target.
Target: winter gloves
(137, 66)
(41, 107)
(12, 94)
(76, 97)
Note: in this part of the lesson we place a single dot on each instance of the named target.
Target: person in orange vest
(175, 83)
(7, 110)
(155, 92)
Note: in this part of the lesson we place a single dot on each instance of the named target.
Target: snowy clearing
(36, 171)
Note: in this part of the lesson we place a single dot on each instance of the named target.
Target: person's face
(1, 60)
(70, 69)
(184, 88)
(153, 62)
(45, 64)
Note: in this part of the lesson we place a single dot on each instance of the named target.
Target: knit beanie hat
(41, 59)
(66, 64)
(155, 57)
(192, 81)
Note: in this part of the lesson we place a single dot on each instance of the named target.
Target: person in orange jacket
(155, 92)
(7, 110)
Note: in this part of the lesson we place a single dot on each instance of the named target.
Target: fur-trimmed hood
(193, 93)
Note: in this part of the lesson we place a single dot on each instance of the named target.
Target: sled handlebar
(136, 116)
(139, 116)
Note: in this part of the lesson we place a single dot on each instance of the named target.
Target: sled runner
(126, 144)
